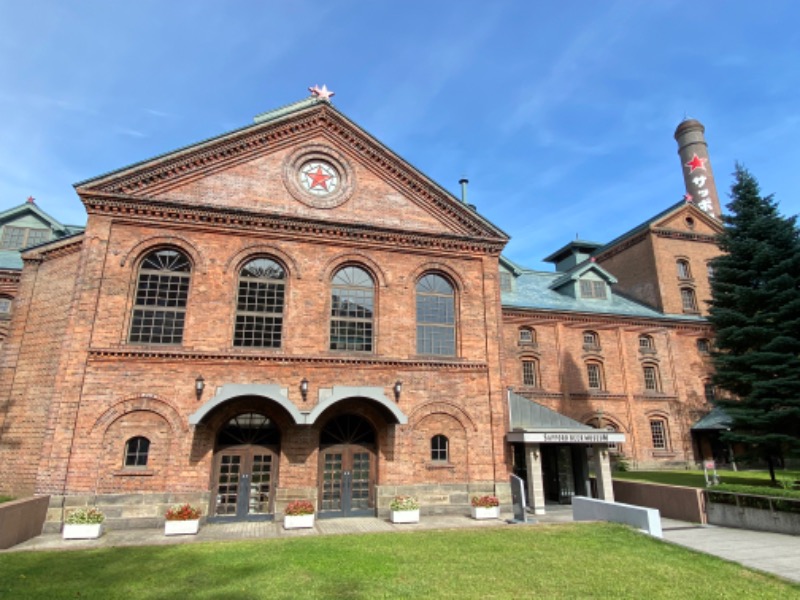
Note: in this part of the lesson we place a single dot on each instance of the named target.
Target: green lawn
(696, 478)
(564, 561)
(5, 499)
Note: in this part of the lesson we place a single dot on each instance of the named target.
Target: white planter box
(405, 516)
(82, 531)
(298, 521)
(483, 512)
(181, 527)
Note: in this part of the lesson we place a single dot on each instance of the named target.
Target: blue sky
(560, 114)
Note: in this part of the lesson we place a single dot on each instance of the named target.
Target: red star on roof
(688, 198)
(696, 163)
(318, 178)
(31, 200)
(323, 93)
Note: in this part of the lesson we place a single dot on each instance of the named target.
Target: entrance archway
(347, 467)
(245, 468)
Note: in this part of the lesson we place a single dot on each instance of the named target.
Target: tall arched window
(652, 380)
(436, 321)
(136, 451)
(688, 300)
(594, 376)
(259, 305)
(658, 434)
(684, 272)
(530, 372)
(440, 448)
(159, 311)
(352, 310)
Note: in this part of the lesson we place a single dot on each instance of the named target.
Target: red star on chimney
(696, 163)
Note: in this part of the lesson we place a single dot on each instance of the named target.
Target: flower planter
(189, 527)
(485, 512)
(298, 521)
(83, 531)
(405, 516)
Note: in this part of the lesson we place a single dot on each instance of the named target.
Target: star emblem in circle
(696, 163)
(318, 178)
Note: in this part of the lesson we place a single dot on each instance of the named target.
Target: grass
(697, 479)
(6, 499)
(565, 561)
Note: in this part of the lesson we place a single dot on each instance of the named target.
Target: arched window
(440, 448)
(703, 346)
(352, 310)
(688, 300)
(530, 372)
(527, 336)
(259, 305)
(436, 321)
(136, 451)
(646, 343)
(594, 376)
(606, 425)
(159, 311)
(591, 341)
(684, 272)
(658, 433)
(652, 380)
(710, 391)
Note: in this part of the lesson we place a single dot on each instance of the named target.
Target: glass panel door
(243, 482)
(227, 487)
(332, 481)
(260, 484)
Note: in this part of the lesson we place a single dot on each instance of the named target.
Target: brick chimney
(697, 173)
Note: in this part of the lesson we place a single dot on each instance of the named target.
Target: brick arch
(594, 415)
(140, 402)
(439, 407)
(237, 261)
(354, 258)
(438, 267)
(140, 249)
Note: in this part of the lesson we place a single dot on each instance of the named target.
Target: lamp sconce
(304, 389)
(199, 386)
(604, 453)
(536, 454)
(398, 387)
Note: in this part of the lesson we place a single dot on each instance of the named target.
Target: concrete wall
(673, 502)
(645, 519)
(21, 520)
(741, 517)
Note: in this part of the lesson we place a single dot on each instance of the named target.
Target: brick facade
(74, 390)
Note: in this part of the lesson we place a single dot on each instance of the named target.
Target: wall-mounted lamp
(536, 454)
(304, 389)
(199, 386)
(398, 387)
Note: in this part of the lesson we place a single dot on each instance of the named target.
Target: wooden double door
(244, 482)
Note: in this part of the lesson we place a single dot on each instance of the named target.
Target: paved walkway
(774, 553)
(770, 552)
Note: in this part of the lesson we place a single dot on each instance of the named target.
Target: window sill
(664, 453)
(435, 466)
(134, 473)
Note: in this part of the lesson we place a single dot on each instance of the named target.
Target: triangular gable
(241, 170)
(29, 208)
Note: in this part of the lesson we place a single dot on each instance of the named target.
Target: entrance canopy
(533, 423)
(716, 420)
(277, 394)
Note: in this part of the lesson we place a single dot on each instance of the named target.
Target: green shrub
(85, 516)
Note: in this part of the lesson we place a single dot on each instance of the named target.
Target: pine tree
(755, 310)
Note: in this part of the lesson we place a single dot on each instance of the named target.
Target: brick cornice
(522, 316)
(148, 354)
(684, 235)
(132, 209)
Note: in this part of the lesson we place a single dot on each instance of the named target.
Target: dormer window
(593, 289)
(506, 281)
(15, 238)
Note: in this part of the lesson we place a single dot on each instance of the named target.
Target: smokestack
(697, 173)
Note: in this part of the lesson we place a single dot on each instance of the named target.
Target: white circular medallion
(318, 177)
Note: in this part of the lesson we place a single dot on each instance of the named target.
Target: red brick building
(290, 310)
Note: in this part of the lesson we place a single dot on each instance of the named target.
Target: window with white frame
(436, 318)
(259, 305)
(688, 300)
(594, 376)
(352, 310)
(530, 377)
(652, 382)
(684, 272)
(658, 433)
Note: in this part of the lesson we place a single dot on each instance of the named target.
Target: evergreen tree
(755, 310)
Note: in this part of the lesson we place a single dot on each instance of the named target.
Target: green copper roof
(531, 416)
(716, 420)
